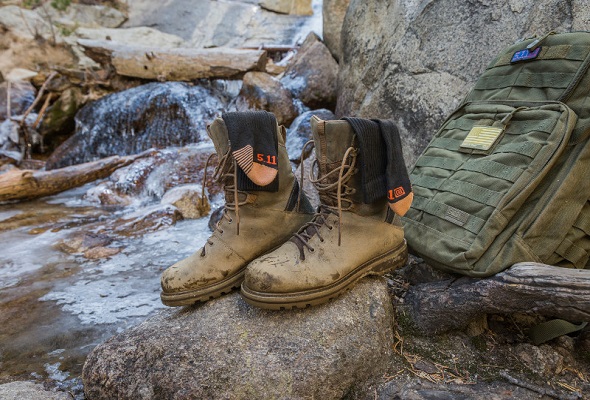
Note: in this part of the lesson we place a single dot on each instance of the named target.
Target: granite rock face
(227, 349)
(415, 61)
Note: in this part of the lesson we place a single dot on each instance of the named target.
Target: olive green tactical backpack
(506, 179)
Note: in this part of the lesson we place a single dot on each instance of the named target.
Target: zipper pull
(506, 120)
(537, 42)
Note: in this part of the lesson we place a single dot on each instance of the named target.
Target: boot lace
(225, 174)
(334, 191)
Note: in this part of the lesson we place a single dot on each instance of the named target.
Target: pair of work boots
(275, 247)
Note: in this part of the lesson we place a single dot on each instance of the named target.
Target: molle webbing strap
(466, 189)
(547, 79)
(574, 254)
(559, 52)
(458, 217)
(254, 145)
(529, 149)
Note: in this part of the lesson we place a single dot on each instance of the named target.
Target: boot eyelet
(312, 250)
(230, 221)
(322, 240)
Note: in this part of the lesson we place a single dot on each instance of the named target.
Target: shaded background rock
(322, 352)
(396, 65)
(260, 91)
(153, 115)
(312, 74)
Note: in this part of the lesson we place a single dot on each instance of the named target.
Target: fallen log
(179, 64)
(18, 184)
(529, 288)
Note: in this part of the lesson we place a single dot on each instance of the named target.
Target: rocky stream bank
(79, 268)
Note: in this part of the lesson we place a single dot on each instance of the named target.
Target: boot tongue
(217, 131)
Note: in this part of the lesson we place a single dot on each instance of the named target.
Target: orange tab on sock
(254, 146)
(402, 206)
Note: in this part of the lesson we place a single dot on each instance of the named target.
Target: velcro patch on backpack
(524, 55)
(482, 137)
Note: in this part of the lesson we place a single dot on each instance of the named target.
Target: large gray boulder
(414, 61)
(226, 349)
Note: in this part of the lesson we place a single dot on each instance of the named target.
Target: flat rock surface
(23, 390)
(227, 349)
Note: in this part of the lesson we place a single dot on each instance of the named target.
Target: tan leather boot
(253, 224)
(345, 241)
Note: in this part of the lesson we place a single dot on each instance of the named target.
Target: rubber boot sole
(284, 301)
(204, 293)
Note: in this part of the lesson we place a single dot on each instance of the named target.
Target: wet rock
(156, 115)
(187, 199)
(10, 152)
(228, 349)
(260, 91)
(29, 390)
(91, 16)
(296, 7)
(144, 221)
(141, 36)
(394, 65)
(333, 12)
(83, 242)
(147, 179)
(300, 132)
(22, 95)
(59, 117)
(97, 253)
(312, 74)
